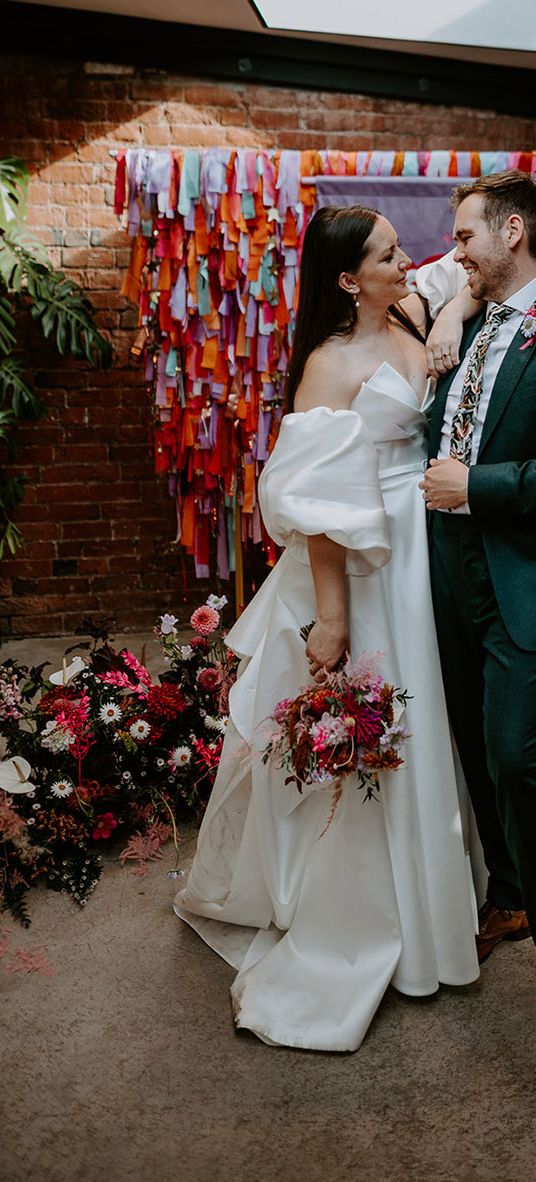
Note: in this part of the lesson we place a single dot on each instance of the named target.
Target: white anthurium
(14, 775)
(67, 672)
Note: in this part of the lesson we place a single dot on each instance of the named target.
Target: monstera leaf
(13, 191)
(29, 280)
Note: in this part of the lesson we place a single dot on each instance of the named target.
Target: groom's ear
(514, 230)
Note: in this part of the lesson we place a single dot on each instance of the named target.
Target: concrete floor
(124, 1066)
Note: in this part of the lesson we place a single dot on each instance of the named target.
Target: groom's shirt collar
(520, 300)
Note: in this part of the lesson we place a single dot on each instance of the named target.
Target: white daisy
(179, 757)
(61, 788)
(109, 713)
(187, 652)
(140, 729)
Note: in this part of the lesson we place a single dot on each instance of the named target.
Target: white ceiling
(240, 15)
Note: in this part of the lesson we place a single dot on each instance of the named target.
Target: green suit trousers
(490, 686)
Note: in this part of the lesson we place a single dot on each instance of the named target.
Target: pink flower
(105, 823)
(141, 672)
(205, 620)
(209, 678)
(281, 710)
(122, 681)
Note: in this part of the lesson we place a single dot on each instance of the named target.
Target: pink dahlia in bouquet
(347, 725)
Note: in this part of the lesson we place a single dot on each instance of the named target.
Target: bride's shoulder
(328, 380)
(413, 307)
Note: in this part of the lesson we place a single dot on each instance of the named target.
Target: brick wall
(97, 523)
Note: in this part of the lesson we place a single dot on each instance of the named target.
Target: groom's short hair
(504, 193)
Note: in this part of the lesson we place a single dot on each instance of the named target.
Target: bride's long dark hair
(335, 241)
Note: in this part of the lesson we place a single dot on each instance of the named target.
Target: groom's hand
(445, 484)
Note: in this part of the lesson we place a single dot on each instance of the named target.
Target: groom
(481, 488)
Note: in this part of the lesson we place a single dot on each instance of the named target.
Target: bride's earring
(355, 299)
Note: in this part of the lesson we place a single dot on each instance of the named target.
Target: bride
(317, 923)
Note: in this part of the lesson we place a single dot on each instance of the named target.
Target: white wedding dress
(319, 924)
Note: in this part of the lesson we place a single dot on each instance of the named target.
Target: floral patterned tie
(464, 418)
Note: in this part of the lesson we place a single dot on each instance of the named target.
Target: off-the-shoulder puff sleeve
(440, 281)
(322, 478)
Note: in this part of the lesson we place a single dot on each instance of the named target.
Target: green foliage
(28, 280)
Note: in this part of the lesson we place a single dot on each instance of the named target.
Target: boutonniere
(528, 328)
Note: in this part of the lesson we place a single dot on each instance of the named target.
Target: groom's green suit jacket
(502, 483)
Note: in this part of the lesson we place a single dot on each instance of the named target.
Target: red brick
(26, 568)
(89, 452)
(67, 474)
(214, 96)
(75, 414)
(86, 529)
(70, 493)
(275, 117)
(78, 512)
(32, 513)
(125, 492)
(37, 531)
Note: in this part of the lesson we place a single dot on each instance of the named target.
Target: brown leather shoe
(496, 924)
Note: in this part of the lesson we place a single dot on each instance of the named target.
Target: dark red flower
(105, 823)
(165, 701)
(58, 698)
(368, 724)
(209, 678)
(199, 642)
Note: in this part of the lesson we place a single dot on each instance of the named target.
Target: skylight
(490, 23)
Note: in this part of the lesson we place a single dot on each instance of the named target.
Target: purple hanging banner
(418, 207)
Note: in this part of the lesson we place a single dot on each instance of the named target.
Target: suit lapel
(512, 367)
(444, 384)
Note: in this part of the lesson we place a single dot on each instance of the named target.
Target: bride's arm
(443, 285)
(443, 342)
(328, 640)
(324, 383)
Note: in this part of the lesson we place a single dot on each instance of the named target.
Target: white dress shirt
(520, 301)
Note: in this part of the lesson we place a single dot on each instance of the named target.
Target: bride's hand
(443, 344)
(327, 645)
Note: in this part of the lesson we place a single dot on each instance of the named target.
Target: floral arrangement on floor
(98, 751)
(349, 723)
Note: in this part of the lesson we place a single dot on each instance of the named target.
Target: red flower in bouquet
(199, 642)
(58, 698)
(208, 754)
(105, 823)
(165, 701)
(205, 620)
(368, 724)
(209, 678)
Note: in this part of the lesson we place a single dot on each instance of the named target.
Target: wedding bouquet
(348, 724)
